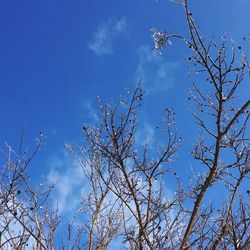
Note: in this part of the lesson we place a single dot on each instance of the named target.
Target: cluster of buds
(160, 39)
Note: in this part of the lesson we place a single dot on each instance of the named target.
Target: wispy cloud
(145, 135)
(90, 112)
(154, 71)
(69, 180)
(104, 37)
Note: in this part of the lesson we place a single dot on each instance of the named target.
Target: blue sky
(57, 56)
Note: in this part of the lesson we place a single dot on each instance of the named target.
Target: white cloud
(154, 71)
(103, 38)
(69, 181)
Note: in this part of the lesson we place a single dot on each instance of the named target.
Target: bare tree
(127, 199)
(102, 211)
(26, 220)
(223, 147)
(151, 219)
(128, 180)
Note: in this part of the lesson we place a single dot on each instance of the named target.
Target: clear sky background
(56, 56)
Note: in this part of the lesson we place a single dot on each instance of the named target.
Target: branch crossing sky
(56, 56)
